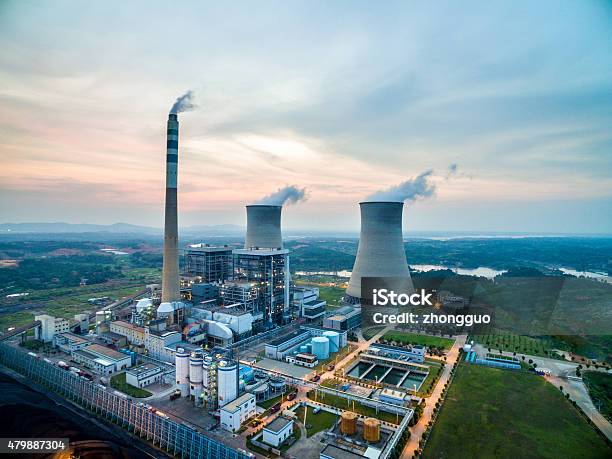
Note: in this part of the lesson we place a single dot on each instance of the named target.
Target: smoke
(287, 195)
(184, 103)
(412, 189)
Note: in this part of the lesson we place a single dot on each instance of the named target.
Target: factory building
(143, 375)
(69, 342)
(210, 264)
(313, 310)
(156, 341)
(134, 334)
(243, 293)
(346, 318)
(268, 272)
(414, 353)
(381, 250)
(204, 291)
(237, 412)
(82, 321)
(301, 295)
(303, 360)
(277, 431)
(334, 452)
(102, 359)
(49, 327)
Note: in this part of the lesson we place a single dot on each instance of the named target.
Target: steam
(412, 189)
(287, 195)
(184, 103)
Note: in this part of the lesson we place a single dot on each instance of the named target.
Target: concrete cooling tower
(381, 247)
(263, 227)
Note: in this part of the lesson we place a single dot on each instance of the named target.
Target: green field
(516, 343)
(345, 404)
(370, 332)
(415, 338)
(118, 382)
(600, 390)
(331, 294)
(316, 422)
(510, 414)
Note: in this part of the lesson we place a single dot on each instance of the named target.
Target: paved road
(578, 392)
(416, 432)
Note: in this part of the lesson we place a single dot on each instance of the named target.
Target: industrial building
(414, 353)
(313, 310)
(267, 270)
(49, 327)
(344, 318)
(143, 375)
(277, 431)
(235, 413)
(101, 359)
(208, 263)
(381, 250)
(69, 342)
(134, 334)
(309, 341)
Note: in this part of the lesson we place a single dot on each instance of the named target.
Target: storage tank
(261, 392)
(381, 248)
(371, 430)
(181, 362)
(277, 384)
(195, 374)
(320, 347)
(309, 348)
(348, 423)
(334, 340)
(227, 382)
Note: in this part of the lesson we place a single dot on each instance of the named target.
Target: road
(416, 432)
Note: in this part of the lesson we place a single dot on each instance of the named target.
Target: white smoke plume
(183, 103)
(287, 195)
(412, 189)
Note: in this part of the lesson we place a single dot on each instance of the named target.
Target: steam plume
(287, 195)
(412, 189)
(184, 103)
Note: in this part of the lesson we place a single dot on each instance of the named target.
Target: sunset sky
(342, 98)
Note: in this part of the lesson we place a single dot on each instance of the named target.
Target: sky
(341, 98)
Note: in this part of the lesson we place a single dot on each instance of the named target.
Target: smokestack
(381, 246)
(170, 279)
(263, 227)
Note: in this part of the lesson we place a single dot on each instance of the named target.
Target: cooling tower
(381, 247)
(170, 278)
(263, 227)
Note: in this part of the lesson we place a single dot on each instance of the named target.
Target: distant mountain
(62, 227)
(115, 228)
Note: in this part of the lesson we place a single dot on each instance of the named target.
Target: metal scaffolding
(164, 433)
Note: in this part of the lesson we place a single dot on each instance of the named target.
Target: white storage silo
(320, 347)
(227, 382)
(195, 374)
(334, 340)
(181, 362)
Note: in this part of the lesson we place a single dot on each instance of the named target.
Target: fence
(168, 435)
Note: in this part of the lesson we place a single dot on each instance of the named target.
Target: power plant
(381, 248)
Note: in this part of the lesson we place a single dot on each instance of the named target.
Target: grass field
(516, 343)
(415, 338)
(345, 404)
(118, 382)
(316, 422)
(510, 414)
(600, 390)
(369, 333)
(329, 293)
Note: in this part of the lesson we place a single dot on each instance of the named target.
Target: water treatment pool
(398, 377)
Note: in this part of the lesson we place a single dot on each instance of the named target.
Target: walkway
(416, 432)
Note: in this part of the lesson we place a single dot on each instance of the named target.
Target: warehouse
(102, 359)
(143, 375)
(235, 413)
